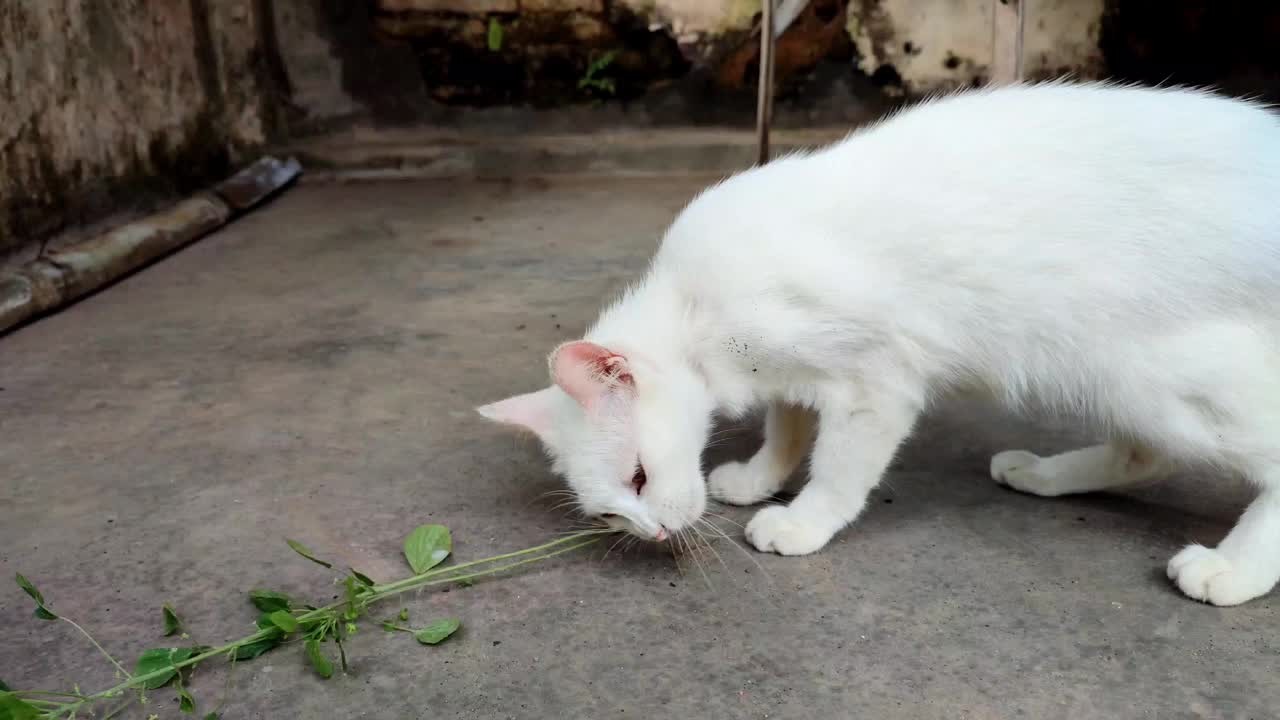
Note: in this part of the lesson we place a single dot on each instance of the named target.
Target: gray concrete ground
(310, 372)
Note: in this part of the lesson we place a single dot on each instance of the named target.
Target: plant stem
(396, 586)
(415, 580)
(49, 693)
(377, 593)
(101, 649)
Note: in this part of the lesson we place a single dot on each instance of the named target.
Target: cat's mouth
(649, 531)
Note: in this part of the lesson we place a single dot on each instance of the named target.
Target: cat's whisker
(707, 543)
(675, 555)
(683, 536)
(614, 545)
(557, 493)
(749, 555)
(725, 518)
(731, 431)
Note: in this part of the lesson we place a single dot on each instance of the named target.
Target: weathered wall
(106, 104)
(413, 60)
(400, 58)
(923, 46)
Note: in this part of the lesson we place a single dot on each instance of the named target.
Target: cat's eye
(639, 479)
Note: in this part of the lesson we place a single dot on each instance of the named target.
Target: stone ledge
(366, 153)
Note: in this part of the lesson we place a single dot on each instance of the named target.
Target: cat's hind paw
(1024, 472)
(784, 531)
(1210, 576)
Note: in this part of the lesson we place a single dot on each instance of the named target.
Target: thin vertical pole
(1008, 28)
(764, 98)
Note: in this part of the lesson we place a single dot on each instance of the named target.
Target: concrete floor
(310, 372)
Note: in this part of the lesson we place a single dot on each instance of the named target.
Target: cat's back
(1165, 184)
(1079, 115)
(1075, 177)
(1064, 150)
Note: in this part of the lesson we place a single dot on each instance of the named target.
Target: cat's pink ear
(587, 371)
(531, 411)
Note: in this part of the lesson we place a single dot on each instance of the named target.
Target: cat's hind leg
(1100, 467)
(788, 434)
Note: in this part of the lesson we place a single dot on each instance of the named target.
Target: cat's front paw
(1210, 576)
(785, 531)
(738, 483)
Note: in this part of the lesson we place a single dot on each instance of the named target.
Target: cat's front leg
(788, 433)
(858, 434)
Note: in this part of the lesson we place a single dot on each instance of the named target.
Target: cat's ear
(531, 411)
(587, 371)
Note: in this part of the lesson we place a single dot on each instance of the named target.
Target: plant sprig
(594, 77)
(282, 619)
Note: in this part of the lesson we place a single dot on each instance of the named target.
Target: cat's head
(626, 434)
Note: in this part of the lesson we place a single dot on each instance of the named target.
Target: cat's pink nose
(661, 534)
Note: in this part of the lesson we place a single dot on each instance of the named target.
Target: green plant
(593, 78)
(494, 37)
(282, 619)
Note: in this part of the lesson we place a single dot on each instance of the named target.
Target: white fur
(1107, 251)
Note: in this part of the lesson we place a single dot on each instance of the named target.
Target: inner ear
(587, 371)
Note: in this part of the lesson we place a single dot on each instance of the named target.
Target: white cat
(1109, 251)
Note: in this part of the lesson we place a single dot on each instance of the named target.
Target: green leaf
(151, 661)
(304, 552)
(404, 615)
(283, 620)
(29, 589)
(172, 625)
(322, 665)
(159, 659)
(269, 600)
(42, 612)
(186, 703)
(494, 38)
(256, 648)
(427, 546)
(13, 707)
(4, 687)
(362, 578)
(437, 631)
(211, 716)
